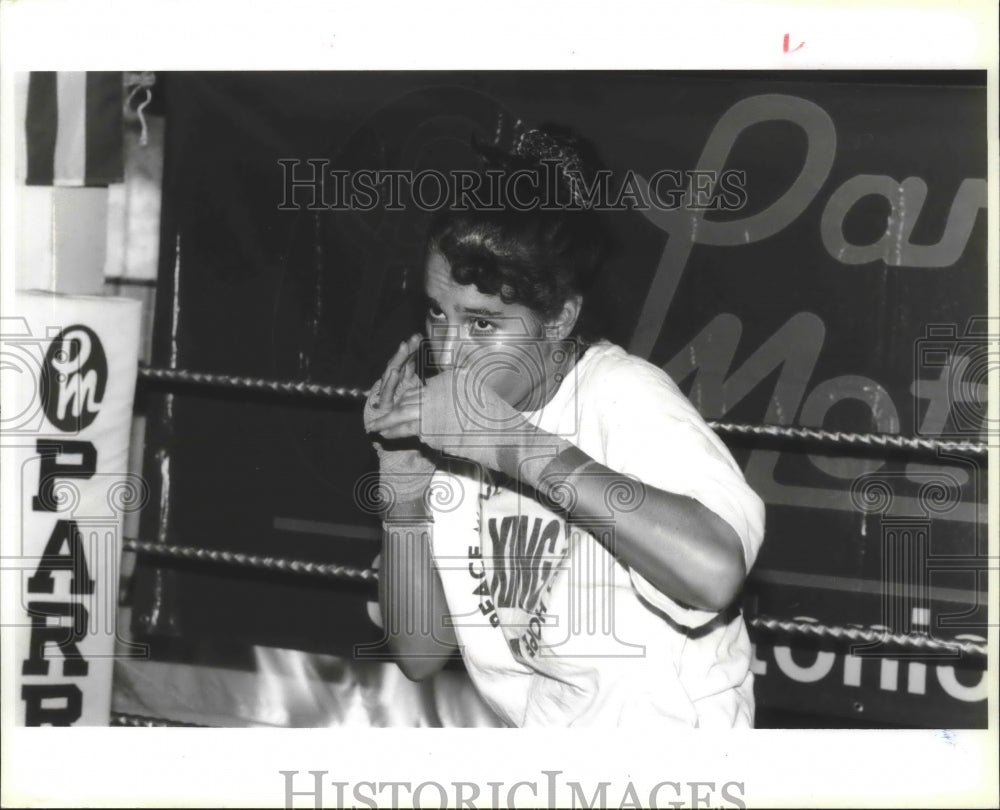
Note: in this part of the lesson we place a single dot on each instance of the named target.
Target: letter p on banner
(69, 371)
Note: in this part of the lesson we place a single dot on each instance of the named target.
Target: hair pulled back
(543, 244)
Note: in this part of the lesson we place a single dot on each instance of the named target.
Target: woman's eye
(435, 312)
(480, 325)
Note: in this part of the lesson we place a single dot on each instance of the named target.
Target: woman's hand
(399, 378)
(448, 411)
(455, 414)
(405, 469)
(400, 373)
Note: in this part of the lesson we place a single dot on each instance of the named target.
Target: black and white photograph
(425, 432)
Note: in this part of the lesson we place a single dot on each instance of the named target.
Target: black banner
(840, 286)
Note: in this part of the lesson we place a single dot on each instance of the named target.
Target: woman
(558, 509)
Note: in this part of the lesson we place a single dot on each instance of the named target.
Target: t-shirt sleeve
(651, 431)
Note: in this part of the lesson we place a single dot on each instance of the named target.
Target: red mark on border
(793, 50)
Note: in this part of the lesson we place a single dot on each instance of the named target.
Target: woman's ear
(561, 326)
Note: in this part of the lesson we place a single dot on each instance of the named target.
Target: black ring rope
(257, 384)
(765, 624)
(784, 432)
(871, 440)
(241, 559)
(918, 642)
(144, 721)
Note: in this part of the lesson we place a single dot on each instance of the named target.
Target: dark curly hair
(533, 252)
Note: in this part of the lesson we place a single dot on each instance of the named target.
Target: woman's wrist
(541, 461)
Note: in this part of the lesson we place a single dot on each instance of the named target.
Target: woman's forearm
(680, 546)
(411, 596)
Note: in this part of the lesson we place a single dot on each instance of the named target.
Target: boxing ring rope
(143, 721)
(889, 441)
(255, 384)
(856, 634)
(784, 432)
(237, 558)
(761, 625)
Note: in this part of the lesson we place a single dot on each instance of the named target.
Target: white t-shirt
(554, 630)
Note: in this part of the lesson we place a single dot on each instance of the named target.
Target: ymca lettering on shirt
(522, 548)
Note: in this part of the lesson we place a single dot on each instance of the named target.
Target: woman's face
(502, 345)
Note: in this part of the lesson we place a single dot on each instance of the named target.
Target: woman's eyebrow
(489, 313)
(486, 313)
